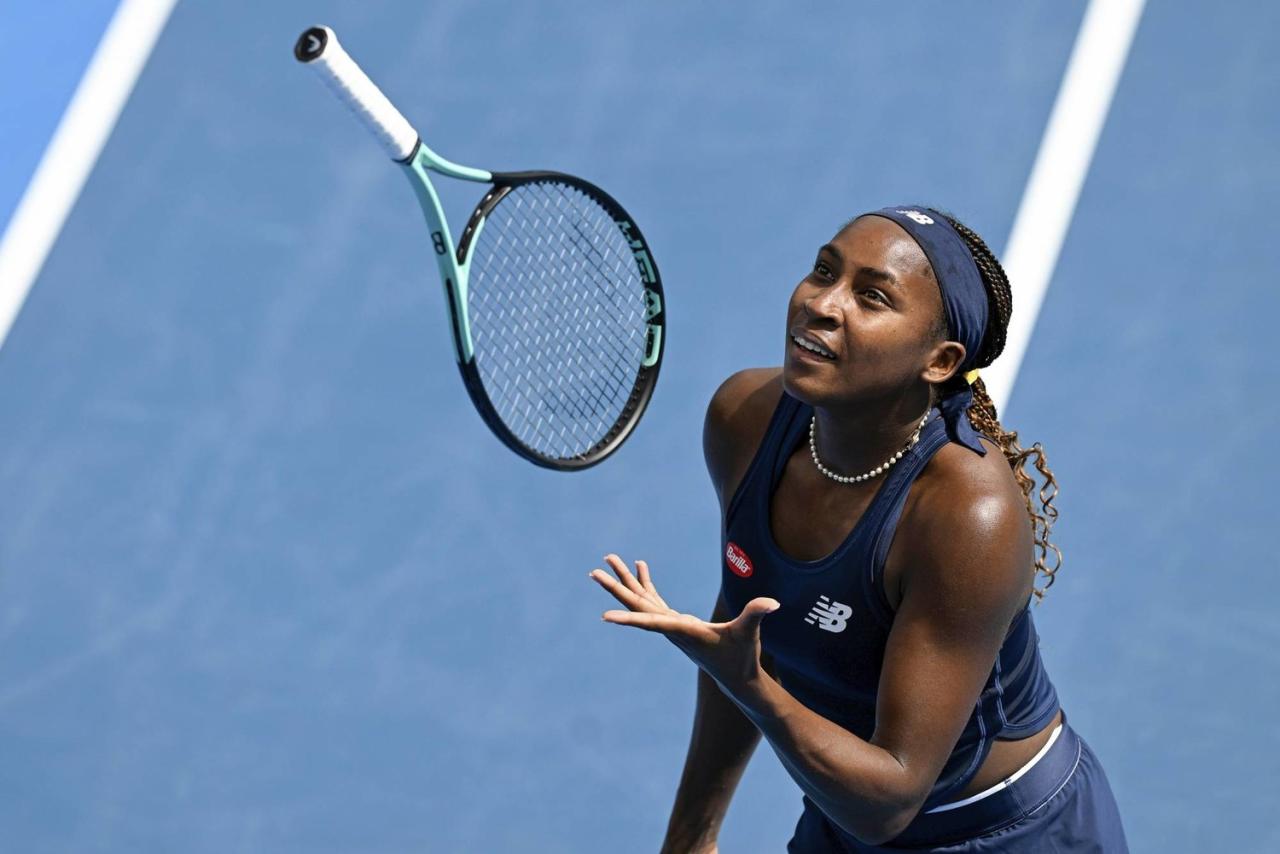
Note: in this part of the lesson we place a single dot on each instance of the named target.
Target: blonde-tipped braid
(985, 419)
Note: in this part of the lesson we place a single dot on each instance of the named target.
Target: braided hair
(983, 417)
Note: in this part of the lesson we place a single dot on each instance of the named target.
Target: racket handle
(318, 47)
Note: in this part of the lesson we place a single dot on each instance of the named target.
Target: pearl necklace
(878, 470)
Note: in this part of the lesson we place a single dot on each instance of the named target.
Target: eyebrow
(868, 272)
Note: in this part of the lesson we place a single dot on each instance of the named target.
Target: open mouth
(812, 347)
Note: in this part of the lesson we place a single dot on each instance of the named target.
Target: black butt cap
(311, 44)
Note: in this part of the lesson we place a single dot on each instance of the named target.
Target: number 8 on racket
(554, 300)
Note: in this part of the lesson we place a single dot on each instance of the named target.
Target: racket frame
(654, 316)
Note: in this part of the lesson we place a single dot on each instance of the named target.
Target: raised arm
(719, 749)
(723, 739)
(968, 576)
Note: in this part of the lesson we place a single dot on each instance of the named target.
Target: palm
(726, 651)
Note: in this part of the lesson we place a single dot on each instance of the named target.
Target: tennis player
(881, 547)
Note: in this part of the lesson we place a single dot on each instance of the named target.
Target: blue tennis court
(268, 584)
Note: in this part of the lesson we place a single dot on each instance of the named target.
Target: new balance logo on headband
(918, 217)
(829, 616)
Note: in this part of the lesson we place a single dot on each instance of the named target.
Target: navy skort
(1061, 805)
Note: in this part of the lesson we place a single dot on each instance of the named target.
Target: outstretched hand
(728, 652)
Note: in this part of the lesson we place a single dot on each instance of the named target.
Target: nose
(821, 307)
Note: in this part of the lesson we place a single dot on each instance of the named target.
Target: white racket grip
(319, 48)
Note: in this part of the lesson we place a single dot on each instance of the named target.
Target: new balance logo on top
(829, 616)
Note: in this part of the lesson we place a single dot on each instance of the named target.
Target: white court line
(1058, 174)
(74, 148)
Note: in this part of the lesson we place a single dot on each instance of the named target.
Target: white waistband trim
(1007, 781)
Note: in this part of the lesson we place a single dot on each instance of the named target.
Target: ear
(944, 360)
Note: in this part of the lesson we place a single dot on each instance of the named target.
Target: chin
(805, 387)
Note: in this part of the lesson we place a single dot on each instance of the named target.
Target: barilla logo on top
(738, 560)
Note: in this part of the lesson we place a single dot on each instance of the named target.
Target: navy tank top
(828, 640)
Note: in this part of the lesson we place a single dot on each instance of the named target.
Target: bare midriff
(1006, 757)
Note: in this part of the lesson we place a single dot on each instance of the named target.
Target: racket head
(567, 318)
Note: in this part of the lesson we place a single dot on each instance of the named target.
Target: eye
(876, 295)
(823, 269)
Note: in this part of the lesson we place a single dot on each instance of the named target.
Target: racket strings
(523, 359)
(557, 312)
(540, 336)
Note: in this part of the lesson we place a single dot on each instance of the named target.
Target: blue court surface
(267, 584)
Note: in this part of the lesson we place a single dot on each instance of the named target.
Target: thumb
(756, 610)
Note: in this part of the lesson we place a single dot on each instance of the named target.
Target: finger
(642, 571)
(619, 568)
(632, 600)
(668, 624)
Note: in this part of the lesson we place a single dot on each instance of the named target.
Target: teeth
(809, 345)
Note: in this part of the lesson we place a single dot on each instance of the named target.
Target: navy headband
(964, 301)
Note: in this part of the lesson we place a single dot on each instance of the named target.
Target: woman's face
(871, 304)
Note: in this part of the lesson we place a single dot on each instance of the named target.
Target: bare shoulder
(737, 418)
(965, 530)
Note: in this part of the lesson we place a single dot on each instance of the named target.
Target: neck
(855, 438)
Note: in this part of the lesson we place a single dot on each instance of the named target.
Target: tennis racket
(554, 299)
